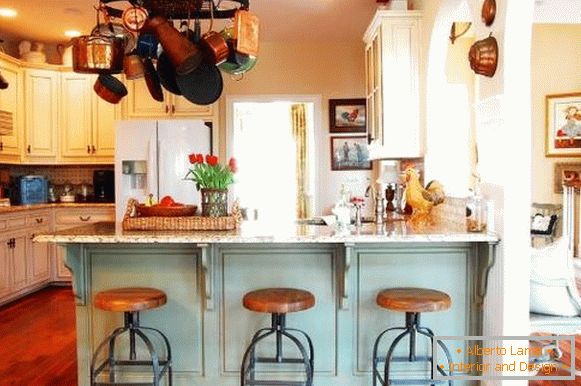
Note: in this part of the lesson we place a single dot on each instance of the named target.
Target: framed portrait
(347, 116)
(563, 125)
(569, 172)
(349, 153)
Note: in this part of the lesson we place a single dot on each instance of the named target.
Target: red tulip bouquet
(212, 179)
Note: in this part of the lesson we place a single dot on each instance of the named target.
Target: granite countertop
(72, 205)
(256, 232)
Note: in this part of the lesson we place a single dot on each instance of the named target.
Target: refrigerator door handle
(152, 183)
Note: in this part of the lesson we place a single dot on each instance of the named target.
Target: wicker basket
(132, 222)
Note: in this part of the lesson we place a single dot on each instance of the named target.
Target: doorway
(272, 138)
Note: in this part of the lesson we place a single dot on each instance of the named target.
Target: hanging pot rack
(182, 9)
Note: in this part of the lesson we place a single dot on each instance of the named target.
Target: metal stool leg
(252, 346)
(376, 374)
(168, 353)
(390, 354)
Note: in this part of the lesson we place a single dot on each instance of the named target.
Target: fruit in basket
(150, 200)
(167, 201)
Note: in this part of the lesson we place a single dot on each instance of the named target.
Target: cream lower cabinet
(24, 265)
(11, 102)
(87, 122)
(392, 58)
(70, 218)
(140, 105)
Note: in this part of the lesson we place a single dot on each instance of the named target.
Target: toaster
(33, 190)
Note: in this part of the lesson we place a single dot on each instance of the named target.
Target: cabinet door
(76, 108)
(5, 267)
(41, 114)
(11, 101)
(38, 256)
(140, 104)
(62, 272)
(104, 116)
(20, 263)
(181, 107)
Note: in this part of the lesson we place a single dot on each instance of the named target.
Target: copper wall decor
(488, 12)
(483, 56)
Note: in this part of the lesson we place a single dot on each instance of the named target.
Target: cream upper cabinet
(41, 124)
(76, 106)
(139, 104)
(392, 57)
(11, 102)
(87, 121)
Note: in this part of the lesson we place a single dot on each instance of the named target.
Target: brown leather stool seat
(278, 300)
(130, 301)
(414, 300)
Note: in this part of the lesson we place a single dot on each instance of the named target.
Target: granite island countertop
(256, 232)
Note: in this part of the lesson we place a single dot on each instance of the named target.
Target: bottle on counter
(342, 209)
(476, 212)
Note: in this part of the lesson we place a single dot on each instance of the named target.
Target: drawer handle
(32, 236)
(93, 149)
(28, 149)
(39, 220)
(84, 218)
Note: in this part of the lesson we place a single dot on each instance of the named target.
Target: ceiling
(281, 20)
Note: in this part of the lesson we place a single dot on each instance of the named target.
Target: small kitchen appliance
(33, 190)
(104, 185)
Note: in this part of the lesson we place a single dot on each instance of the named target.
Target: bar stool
(412, 301)
(131, 301)
(278, 302)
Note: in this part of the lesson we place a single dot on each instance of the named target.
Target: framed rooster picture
(347, 116)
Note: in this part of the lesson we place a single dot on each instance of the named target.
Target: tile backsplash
(57, 176)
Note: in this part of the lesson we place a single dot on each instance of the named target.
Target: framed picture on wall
(347, 116)
(349, 153)
(563, 125)
(569, 172)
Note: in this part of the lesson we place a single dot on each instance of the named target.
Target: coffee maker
(104, 185)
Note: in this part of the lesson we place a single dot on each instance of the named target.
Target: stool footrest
(416, 382)
(283, 360)
(419, 358)
(274, 383)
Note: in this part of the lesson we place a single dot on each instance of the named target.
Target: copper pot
(97, 54)
(215, 47)
(110, 88)
(182, 53)
(483, 56)
(133, 67)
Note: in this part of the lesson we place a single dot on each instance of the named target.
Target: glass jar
(476, 212)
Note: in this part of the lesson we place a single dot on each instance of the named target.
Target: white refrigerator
(151, 157)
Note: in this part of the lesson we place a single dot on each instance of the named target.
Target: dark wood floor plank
(39, 340)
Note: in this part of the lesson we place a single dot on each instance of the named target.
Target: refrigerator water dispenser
(135, 171)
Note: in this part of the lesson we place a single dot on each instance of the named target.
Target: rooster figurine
(420, 199)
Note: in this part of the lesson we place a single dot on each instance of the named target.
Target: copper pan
(184, 55)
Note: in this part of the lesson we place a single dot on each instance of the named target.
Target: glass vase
(214, 202)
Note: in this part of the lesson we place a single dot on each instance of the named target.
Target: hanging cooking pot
(167, 74)
(488, 12)
(133, 67)
(245, 32)
(237, 64)
(116, 30)
(110, 88)
(213, 43)
(97, 54)
(483, 56)
(134, 18)
(203, 86)
(183, 54)
(152, 80)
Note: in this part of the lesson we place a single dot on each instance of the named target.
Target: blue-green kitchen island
(206, 274)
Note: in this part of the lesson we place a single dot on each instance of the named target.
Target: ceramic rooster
(419, 198)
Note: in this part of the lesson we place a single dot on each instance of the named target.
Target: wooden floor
(38, 341)
(39, 347)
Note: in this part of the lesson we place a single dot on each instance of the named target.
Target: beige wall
(556, 65)
(331, 70)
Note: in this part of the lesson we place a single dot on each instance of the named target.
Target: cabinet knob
(32, 236)
(173, 109)
(39, 220)
(88, 149)
(93, 149)
(1, 146)
(166, 109)
(28, 149)
(84, 218)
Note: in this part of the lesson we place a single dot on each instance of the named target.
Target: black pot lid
(167, 74)
(203, 86)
